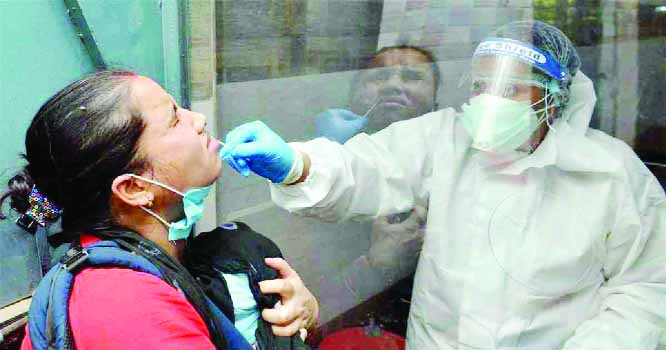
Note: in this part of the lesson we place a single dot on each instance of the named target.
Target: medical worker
(542, 233)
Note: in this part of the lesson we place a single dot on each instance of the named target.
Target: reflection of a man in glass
(401, 80)
(398, 83)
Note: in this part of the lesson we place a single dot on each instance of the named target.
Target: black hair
(79, 141)
(436, 75)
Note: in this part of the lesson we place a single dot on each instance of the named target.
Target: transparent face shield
(509, 78)
(504, 77)
(515, 70)
(509, 100)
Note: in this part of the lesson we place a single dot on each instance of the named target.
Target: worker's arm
(370, 175)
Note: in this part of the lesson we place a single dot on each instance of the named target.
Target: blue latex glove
(339, 124)
(254, 146)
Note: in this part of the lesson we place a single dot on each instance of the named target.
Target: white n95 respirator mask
(498, 124)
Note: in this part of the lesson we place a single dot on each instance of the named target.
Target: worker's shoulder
(617, 148)
(427, 124)
(631, 170)
(435, 118)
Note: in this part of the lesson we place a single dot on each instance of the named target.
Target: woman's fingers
(281, 266)
(285, 331)
(275, 316)
(297, 308)
(282, 286)
(281, 314)
(286, 320)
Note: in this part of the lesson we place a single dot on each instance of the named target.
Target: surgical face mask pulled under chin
(193, 205)
(498, 124)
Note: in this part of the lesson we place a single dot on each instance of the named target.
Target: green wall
(40, 52)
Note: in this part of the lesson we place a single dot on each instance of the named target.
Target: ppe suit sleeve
(632, 310)
(368, 176)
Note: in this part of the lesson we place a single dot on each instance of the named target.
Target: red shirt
(118, 308)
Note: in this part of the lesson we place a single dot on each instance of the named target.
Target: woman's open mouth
(213, 145)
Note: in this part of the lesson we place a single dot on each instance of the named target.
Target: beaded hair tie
(41, 208)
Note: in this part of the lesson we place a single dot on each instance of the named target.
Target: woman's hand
(297, 309)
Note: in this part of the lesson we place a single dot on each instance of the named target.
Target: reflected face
(403, 83)
(180, 152)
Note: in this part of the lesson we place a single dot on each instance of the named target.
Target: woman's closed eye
(175, 119)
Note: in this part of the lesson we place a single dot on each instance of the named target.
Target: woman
(123, 162)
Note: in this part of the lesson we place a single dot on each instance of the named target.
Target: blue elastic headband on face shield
(524, 52)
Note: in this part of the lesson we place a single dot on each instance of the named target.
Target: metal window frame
(175, 38)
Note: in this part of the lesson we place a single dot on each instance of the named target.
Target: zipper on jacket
(253, 277)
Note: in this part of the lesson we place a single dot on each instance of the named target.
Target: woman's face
(179, 151)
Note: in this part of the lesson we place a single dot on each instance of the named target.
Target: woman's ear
(132, 192)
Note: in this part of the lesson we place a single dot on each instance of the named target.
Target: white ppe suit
(561, 249)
